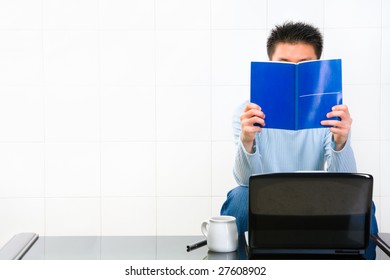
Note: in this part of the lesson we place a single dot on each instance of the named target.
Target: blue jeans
(236, 205)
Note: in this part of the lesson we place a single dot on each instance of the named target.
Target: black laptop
(308, 215)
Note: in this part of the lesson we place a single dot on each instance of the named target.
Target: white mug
(221, 233)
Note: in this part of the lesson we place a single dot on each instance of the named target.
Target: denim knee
(236, 205)
(374, 225)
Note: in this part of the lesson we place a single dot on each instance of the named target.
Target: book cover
(296, 96)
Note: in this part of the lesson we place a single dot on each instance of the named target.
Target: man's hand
(339, 128)
(251, 115)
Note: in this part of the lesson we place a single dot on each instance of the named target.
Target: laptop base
(279, 254)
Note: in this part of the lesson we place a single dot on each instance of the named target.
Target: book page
(273, 89)
(319, 88)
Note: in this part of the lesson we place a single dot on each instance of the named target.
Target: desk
(132, 248)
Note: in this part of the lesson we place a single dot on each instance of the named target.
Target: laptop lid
(309, 213)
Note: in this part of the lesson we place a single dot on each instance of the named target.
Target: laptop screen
(314, 210)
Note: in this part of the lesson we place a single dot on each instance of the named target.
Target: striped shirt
(278, 150)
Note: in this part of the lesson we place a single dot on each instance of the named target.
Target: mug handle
(205, 228)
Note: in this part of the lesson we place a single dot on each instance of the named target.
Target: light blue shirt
(278, 150)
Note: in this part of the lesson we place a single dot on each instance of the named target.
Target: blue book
(296, 96)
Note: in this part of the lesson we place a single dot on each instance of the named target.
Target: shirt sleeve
(245, 164)
(339, 161)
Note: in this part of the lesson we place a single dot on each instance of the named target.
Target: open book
(296, 96)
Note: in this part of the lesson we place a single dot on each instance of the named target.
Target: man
(262, 150)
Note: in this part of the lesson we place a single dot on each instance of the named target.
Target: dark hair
(298, 32)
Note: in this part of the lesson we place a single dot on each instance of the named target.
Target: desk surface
(136, 248)
(115, 248)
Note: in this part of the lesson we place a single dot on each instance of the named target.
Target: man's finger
(341, 107)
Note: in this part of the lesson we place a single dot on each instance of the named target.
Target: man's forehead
(294, 52)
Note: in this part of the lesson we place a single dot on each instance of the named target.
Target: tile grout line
(44, 96)
(99, 92)
(380, 114)
(266, 15)
(211, 109)
(155, 121)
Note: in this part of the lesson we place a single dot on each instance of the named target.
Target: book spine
(341, 81)
(296, 98)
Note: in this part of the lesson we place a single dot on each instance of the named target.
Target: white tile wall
(356, 98)
(129, 216)
(352, 13)
(21, 113)
(72, 169)
(183, 113)
(182, 14)
(368, 155)
(70, 14)
(385, 112)
(238, 14)
(21, 14)
(222, 161)
(232, 52)
(22, 170)
(183, 57)
(73, 216)
(308, 11)
(115, 115)
(70, 57)
(183, 169)
(21, 57)
(385, 118)
(385, 13)
(127, 57)
(128, 169)
(124, 14)
(128, 113)
(72, 114)
(385, 56)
